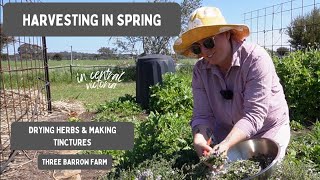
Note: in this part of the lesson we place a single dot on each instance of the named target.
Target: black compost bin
(149, 72)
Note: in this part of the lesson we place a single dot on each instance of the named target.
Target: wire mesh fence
(270, 25)
(24, 83)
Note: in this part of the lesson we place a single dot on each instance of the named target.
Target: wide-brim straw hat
(206, 22)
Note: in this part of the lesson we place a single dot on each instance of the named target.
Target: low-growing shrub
(118, 109)
(294, 125)
(300, 76)
(164, 135)
(306, 148)
(294, 170)
(172, 130)
(173, 95)
(156, 168)
(125, 109)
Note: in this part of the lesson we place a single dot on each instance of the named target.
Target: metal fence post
(46, 74)
(71, 72)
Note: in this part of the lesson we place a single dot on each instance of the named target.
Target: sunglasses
(207, 43)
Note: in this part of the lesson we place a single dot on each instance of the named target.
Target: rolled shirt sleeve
(256, 94)
(202, 113)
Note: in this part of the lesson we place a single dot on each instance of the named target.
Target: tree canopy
(281, 51)
(5, 40)
(304, 30)
(57, 57)
(157, 44)
(29, 49)
(107, 52)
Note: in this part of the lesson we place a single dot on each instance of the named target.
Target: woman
(237, 94)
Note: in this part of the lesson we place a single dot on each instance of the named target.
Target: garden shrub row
(165, 132)
(299, 73)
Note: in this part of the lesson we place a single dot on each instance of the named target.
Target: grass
(91, 97)
(21, 79)
(110, 62)
(65, 88)
(14, 65)
(53, 63)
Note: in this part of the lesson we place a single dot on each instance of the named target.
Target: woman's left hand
(236, 135)
(221, 148)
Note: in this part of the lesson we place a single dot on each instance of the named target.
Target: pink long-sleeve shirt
(258, 106)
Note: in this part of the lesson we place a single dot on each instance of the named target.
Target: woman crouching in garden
(236, 90)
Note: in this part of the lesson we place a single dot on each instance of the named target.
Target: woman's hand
(221, 148)
(201, 146)
(201, 134)
(220, 151)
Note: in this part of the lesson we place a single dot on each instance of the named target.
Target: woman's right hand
(201, 146)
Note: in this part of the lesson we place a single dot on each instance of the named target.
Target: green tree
(281, 51)
(5, 40)
(96, 56)
(57, 57)
(304, 30)
(107, 52)
(157, 44)
(30, 51)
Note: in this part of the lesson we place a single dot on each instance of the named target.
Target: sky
(232, 10)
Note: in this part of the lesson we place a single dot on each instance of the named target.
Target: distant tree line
(104, 53)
